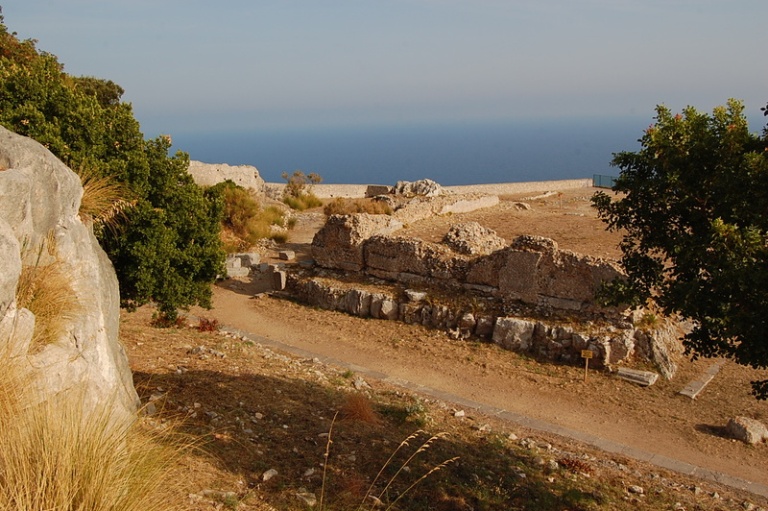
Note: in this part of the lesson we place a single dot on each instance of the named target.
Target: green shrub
(168, 249)
(306, 201)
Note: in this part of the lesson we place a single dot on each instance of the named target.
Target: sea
(457, 153)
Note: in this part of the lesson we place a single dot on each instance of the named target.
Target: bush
(298, 190)
(168, 248)
(305, 201)
(244, 221)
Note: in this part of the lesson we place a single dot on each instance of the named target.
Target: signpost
(586, 355)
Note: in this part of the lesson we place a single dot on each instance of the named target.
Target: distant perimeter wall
(331, 191)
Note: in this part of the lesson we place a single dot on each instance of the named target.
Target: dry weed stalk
(377, 499)
(422, 448)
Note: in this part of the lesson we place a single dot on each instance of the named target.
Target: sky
(222, 65)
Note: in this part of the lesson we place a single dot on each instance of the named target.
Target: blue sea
(449, 153)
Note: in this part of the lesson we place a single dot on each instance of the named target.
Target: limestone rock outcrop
(40, 229)
(209, 174)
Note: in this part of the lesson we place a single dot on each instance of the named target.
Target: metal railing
(600, 181)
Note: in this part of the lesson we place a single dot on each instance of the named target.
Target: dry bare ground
(260, 409)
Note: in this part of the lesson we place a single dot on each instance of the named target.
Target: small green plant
(648, 320)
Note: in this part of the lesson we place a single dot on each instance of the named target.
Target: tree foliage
(168, 250)
(693, 206)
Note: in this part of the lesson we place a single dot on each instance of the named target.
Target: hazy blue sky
(223, 64)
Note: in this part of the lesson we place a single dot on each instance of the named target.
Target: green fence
(599, 181)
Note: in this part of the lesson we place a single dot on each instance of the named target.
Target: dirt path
(655, 419)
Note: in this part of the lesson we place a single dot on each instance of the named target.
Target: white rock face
(39, 202)
(209, 174)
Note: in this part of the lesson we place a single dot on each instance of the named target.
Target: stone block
(374, 190)
(238, 271)
(358, 302)
(644, 378)
(389, 309)
(287, 255)
(278, 280)
(513, 334)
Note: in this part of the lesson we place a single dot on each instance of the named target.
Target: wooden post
(586, 355)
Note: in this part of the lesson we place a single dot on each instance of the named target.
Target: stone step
(694, 387)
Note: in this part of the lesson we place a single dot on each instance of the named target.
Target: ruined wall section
(532, 270)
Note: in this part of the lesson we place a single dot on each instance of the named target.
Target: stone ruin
(531, 270)
(423, 187)
(532, 296)
(209, 174)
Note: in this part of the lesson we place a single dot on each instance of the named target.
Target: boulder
(747, 430)
(40, 227)
(473, 239)
(423, 187)
(209, 174)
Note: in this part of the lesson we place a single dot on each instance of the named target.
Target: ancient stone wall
(209, 174)
(531, 270)
(611, 344)
(40, 230)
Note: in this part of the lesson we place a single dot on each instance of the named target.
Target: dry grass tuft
(575, 465)
(341, 206)
(57, 455)
(46, 290)
(208, 325)
(104, 201)
(358, 408)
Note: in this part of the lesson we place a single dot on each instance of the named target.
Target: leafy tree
(168, 250)
(693, 206)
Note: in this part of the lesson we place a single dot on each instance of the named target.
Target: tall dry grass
(55, 455)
